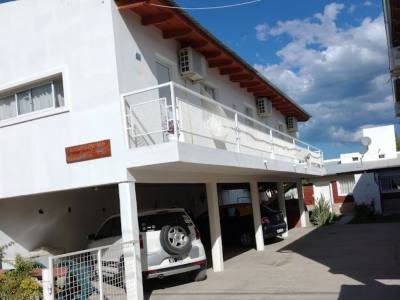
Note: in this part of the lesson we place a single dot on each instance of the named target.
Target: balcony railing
(171, 112)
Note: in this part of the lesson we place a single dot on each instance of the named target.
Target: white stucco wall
(75, 38)
(366, 191)
(66, 219)
(383, 142)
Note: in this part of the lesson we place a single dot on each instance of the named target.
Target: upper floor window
(249, 111)
(209, 91)
(40, 96)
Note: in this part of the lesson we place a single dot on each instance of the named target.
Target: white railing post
(237, 133)
(100, 270)
(48, 281)
(174, 114)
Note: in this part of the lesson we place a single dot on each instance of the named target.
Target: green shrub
(321, 214)
(19, 284)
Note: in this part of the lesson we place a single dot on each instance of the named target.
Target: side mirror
(91, 237)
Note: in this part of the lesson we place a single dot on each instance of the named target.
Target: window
(381, 156)
(281, 127)
(209, 91)
(249, 111)
(354, 158)
(111, 228)
(45, 95)
(346, 185)
(390, 184)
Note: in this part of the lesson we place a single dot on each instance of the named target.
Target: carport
(61, 221)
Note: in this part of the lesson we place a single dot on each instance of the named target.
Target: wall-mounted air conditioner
(395, 60)
(192, 64)
(291, 123)
(264, 107)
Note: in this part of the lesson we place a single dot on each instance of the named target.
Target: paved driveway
(335, 262)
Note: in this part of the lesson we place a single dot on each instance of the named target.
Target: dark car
(237, 224)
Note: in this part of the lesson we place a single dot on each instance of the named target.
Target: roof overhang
(177, 24)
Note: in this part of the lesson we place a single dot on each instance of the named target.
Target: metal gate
(101, 273)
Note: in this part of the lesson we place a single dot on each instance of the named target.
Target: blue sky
(331, 57)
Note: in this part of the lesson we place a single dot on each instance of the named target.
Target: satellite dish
(366, 141)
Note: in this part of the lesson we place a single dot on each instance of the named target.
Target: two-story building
(391, 10)
(107, 106)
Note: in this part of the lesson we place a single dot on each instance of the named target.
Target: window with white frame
(346, 185)
(209, 91)
(39, 96)
(249, 111)
(281, 127)
(390, 184)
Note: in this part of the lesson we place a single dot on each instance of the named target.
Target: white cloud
(367, 3)
(338, 74)
(261, 32)
(352, 8)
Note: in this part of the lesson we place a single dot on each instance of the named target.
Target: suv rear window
(111, 228)
(157, 221)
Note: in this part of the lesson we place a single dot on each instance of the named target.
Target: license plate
(174, 259)
(280, 230)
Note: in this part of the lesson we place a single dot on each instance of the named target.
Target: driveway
(359, 261)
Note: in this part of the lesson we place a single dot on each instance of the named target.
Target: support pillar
(282, 206)
(215, 227)
(255, 203)
(130, 232)
(303, 219)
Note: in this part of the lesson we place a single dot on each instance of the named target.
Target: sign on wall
(88, 151)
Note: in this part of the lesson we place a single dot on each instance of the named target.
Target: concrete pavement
(360, 261)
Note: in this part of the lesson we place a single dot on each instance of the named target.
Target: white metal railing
(101, 273)
(170, 111)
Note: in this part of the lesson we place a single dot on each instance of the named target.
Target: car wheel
(175, 239)
(246, 239)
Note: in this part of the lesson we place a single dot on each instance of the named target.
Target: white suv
(169, 241)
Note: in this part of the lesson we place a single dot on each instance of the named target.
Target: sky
(330, 57)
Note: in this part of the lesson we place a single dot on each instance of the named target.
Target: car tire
(246, 239)
(199, 275)
(175, 239)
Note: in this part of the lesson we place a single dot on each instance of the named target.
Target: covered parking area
(60, 222)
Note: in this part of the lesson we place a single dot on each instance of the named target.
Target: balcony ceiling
(176, 24)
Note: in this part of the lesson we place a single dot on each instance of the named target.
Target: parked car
(169, 241)
(237, 223)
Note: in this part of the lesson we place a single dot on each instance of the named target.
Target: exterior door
(164, 76)
(323, 190)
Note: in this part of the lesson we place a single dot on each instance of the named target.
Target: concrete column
(215, 227)
(255, 203)
(130, 232)
(303, 219)
(282, 205)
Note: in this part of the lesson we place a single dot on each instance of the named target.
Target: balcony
(173, 113)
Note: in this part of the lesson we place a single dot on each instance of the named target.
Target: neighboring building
(106, 106)
(371, 178)
(391, 10)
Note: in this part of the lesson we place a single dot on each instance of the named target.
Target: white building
(371, 177)
(102, 79)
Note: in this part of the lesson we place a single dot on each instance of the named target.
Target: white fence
(101, 273)
(172, 112)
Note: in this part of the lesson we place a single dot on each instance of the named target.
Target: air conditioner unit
(395, 57)
(291, 123)
(264, 107)
(192, 64)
